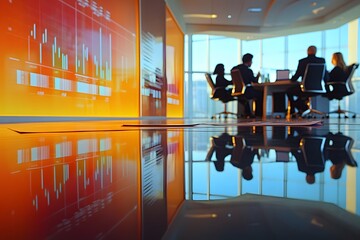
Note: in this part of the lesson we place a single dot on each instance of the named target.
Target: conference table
(269, 88)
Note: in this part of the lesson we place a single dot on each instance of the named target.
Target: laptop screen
(282, 74)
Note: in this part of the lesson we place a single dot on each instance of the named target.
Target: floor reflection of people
(338, 151)
(243, 156)
(222, 148)
(303, 166)
(308, 152)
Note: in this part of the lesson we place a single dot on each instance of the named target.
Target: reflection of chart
(63, 181)
(93, 168)
(68, 48)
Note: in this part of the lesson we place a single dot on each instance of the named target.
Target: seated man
(301, 103)
(248, 77)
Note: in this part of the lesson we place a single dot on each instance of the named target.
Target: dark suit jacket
(338, 75)
(300, 71)
(246, 73)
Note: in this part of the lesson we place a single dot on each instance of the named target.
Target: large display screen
(68, 58)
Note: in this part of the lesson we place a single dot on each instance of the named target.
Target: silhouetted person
(309, 157)
(248, 77)
(244, 160)
(338, 150)
(222, 82)
(302, 102)
(222, 150)
(340, 72)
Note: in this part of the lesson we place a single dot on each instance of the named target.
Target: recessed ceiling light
(200, 16)
(317, 10)
(254, 9)
(229, 16)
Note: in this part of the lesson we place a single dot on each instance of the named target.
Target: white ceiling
(277, 17)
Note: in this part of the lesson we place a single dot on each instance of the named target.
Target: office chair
(338, 149)
(338, 90)
(239, 88)
(313, 149)
(312, 85)
(217, 95)
(310, 156)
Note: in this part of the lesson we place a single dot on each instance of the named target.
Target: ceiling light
(200, 16)
(317, 10)
(229, 16)
(255, 9)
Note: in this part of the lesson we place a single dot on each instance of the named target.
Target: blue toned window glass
(357, 73)
(200, 53)
(225, 183)
(273, 56)
(186, 53)
(332, 44)
(344, 40)
(298, 44)
(254, 48)
(224, 50)
(202, 104)
(273, 179)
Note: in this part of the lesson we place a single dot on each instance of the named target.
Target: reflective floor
(145, 180)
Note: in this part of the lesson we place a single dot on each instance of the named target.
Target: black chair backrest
(313, 79)
(349, 87)
(313, 149)
(338, 148)
(238, 83)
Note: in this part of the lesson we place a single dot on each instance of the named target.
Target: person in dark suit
(302, 102)
(245, 162)
(310, 168)
(222, 82)
(248, 77)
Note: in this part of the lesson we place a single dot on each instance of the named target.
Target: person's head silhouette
(336, 170)
(247, 59)
(219, 165)
(310, 178)
(219, 69)
(311, 50)
(247, 173)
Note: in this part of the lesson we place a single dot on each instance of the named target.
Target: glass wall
(269, 54)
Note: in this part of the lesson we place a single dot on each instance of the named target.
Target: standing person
(302, 103)
(248, 77)
(222, 82)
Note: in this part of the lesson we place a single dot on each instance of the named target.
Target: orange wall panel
(174, 67)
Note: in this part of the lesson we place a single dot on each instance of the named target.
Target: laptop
(282, 74)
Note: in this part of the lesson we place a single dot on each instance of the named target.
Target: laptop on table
(282, 74)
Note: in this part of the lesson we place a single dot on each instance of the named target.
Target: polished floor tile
(141, 179)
